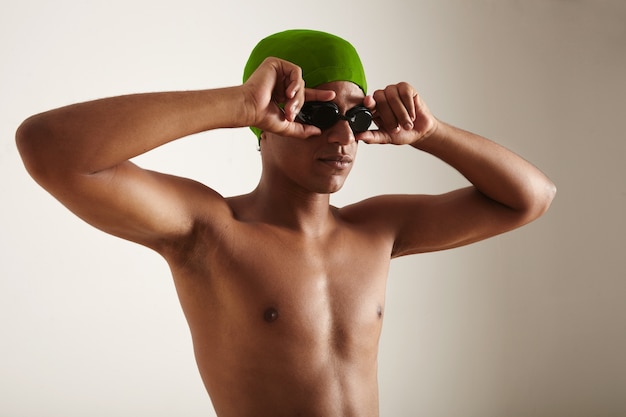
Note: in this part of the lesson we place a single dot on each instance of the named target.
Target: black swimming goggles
(324, 114)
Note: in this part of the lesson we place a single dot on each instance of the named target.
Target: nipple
(270, 315)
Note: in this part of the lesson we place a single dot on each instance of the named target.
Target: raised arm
(507, 191)
(80, 153)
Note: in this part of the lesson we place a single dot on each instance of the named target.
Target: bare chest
(312, 292)
(289, 322)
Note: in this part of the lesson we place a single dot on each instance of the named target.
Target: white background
(532, 323)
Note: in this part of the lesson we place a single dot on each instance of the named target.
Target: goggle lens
(324, 114)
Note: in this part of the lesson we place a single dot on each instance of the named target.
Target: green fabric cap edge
(322, 56)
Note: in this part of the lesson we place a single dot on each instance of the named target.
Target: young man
(284, 294)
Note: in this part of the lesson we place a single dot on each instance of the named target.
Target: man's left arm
(507, 191)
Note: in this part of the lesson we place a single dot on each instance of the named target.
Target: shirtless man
(284, 294)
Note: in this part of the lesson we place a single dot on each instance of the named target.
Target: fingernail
(408, 126)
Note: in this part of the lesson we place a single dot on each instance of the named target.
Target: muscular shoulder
(399, 217)
(377, 215)
(207, 212)
(382, 210)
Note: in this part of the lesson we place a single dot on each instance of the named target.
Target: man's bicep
(135, 204)
(428, 223)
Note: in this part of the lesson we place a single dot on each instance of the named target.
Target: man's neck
(307, 212)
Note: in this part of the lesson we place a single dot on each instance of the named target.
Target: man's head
(322, 57)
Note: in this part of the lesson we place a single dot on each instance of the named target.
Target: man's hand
(401, 116)
(274, 95)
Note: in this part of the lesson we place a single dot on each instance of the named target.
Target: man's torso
(282, 323)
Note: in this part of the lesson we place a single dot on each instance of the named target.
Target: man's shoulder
(367, 206)
(387, 209)
(365, 210)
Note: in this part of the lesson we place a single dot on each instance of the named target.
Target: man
(284, 294)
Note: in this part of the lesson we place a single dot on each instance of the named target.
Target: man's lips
(337, 161)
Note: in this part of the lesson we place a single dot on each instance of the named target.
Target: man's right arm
(80, 154)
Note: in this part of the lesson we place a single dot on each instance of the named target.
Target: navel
(270, 315)
(379, 311)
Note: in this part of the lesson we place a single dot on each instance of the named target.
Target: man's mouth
(337, 161)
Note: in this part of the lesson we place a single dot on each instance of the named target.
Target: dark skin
(284, 294)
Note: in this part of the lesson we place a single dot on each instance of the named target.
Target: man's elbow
(542, 196)
(30, 139)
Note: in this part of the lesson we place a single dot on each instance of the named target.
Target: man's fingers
(369, 102)
(312, 94)
(300, 131)
(400, 114)
(293, 106)
(374, 137)
(407, 95)
(294, 74)
(394, 107)
(384, 114)
(400, 101)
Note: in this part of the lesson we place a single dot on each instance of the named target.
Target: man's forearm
(93, 136)
(494, 170)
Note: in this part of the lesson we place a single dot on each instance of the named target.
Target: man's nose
(341, 133)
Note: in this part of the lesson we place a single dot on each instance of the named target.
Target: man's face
(319, 163)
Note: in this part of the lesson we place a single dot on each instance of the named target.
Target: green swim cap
(323, 58)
